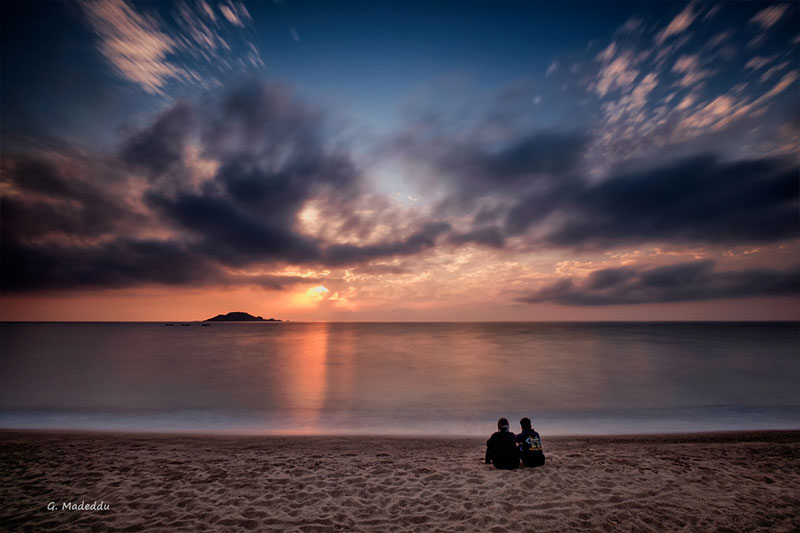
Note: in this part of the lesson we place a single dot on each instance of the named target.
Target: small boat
(206, 325)
(169, 324)
(185, 324)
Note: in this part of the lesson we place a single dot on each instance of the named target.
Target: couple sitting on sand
(504, 449)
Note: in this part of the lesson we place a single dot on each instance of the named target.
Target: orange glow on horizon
(470, 284)
(173, 305)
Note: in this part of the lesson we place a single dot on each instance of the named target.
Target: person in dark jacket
(530, 445)
(501, 449)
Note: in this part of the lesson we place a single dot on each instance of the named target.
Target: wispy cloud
(148, 51)
(712, 12)
(133, 44)
(693, 74)
(772, 71)
(767, 17)
(209, 12)
(719, 39)
(618, 71)
(229, 11)
(678, 25)
(764, 20)
(655, 98)
(758, 62)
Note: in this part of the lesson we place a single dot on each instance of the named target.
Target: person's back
(501, 448)
(530, 445)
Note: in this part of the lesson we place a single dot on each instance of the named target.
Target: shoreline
(197, 482)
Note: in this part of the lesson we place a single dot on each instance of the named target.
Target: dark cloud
(680, 282)
(118, 264)
(44, 198)
(486, 168)
(148, 214)
(232, 236)
(698, 201)
(478, 168)
(73, 222)
(534, 155)
(535, 187)
(60, 222)
(272, 161)
(259, 123)
(418, 241)
(272, 158)
(161, 145)
(489, 236)
(67, 227)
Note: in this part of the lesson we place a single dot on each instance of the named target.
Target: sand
(700, 482)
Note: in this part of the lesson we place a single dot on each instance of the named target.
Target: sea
(431, 379)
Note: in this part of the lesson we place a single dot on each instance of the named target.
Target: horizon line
(279, 321)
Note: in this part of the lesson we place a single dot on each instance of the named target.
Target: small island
(239, 316)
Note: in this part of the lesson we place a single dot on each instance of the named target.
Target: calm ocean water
(400, 378)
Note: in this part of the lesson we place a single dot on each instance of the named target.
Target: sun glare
(317, 293)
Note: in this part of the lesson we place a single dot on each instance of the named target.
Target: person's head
(525, 423)
(502, 424)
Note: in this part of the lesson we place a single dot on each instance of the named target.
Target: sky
(408, 161)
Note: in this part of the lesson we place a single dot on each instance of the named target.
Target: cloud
(133, 43)
(161, 145)
(243, 12)
(508, 187)
(233, 236)
(204, 36)
(655, 99)
(772, 71)
(690, 67)
(767, 17)
(271, 160)
(758, 62)
(725, 110)
(539, 153)
(119, 263)
(632, 25)
(686, 102)
(678, 25)
(146, 49)
(475, 171)
(229, 12)
(491, 236)
(712, 12)
(537, 190)
(44, 201)
(719, 39)
(423, 239)
(695, 200)
(208, 11)
(618, 72)
(66, 221)
(682, 282)
(114, 264)
(204, 194)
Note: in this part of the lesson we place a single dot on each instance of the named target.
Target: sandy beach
(722, 481)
